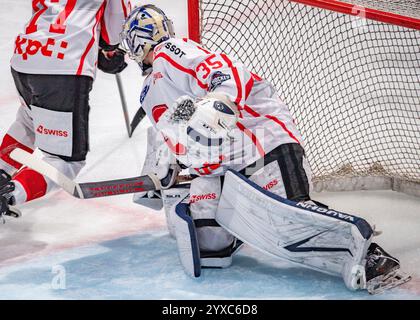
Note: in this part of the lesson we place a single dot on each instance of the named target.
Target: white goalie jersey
(182, 67)
(62, 35)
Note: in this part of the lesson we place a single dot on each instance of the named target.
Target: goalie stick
(140, 114)
(88, 190)
(124, 105)
(138, 117)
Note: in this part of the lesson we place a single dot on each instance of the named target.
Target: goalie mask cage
(348, 70)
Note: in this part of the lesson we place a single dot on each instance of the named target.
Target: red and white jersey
(62, 36)
(182, 67)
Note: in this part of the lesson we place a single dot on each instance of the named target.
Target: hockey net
(349, 72)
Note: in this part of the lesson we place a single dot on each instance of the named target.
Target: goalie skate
(386, 282)
(383, 271)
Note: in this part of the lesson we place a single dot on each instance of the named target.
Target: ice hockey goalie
(210, 114)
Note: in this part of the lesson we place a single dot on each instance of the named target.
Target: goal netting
(352, 83)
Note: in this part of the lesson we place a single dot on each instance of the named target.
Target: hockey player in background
(53, 67)
(210, 114)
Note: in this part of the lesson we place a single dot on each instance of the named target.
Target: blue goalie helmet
(144, 28)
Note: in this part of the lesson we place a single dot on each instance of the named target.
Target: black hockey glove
(111, 61)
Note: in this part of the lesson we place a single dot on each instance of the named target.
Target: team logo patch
(217, 79)
(157, 76)
(144, 94)
(173, 48)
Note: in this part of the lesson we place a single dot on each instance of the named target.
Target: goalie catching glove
(204, 126)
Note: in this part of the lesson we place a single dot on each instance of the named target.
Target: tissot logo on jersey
(209, 196)
(173, 48)
(52, 132)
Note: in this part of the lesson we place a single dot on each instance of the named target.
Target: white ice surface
(111, 248)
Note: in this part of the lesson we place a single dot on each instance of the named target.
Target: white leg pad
(171, 197)
(322, 239)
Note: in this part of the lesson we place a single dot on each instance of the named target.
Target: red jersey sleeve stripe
(252, 137)
(248, 87)
(235, 76)
(92, 40)
(273, 118)
(104, 32)
(276, 120)
(124, 8)
(251, 111)
(176, 65)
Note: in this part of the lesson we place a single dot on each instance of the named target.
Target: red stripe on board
(92, 41)
(191, 72)
(33, 182)
(252, 137)
(8, 145)
(276, 120)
